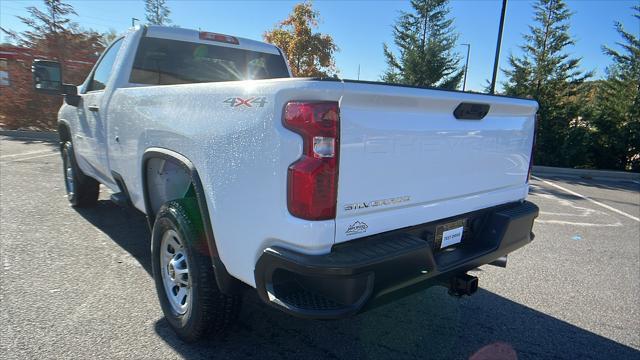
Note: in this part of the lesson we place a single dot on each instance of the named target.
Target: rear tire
(183, 274)
(82, 190)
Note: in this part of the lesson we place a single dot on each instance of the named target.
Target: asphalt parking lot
(77, 284)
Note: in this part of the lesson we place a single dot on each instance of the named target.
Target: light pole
(498, 45)
(133, 21)
(466, 67)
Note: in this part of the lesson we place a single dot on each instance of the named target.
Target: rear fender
(181, 166)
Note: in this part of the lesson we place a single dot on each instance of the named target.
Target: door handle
(94, 108)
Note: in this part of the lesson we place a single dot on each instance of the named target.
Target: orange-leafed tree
(309, 53)
(51, 35)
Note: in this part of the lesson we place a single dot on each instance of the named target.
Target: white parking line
(588, 199)
(571, 218)
(571, 223)
(27, 153)
(31, 157)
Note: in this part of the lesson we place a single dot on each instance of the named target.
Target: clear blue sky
(360, 27)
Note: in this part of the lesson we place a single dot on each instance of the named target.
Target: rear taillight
(533, 147)
(312, 185)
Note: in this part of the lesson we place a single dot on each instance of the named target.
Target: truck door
(93, 115)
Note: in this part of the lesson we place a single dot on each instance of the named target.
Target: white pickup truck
(326, 196)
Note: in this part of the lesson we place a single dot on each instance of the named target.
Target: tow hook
(464, 284)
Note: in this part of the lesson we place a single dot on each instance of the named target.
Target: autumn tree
(51, 35)
(309, 53)
(616, 115)
(425, 38)
(546, 72)
(157, 12)
(106, 38)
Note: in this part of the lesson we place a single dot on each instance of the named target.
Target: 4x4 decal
(238, 101)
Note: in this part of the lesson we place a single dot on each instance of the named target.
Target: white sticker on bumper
(451, 237)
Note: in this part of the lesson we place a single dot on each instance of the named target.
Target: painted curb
(586, 173)
(31, 135)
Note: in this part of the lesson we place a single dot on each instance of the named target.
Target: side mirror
(71, 94)
(47, 79)
(47, 76)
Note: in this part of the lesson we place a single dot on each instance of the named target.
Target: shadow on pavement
(125, 226)
(430, 324)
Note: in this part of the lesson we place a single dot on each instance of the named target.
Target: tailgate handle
(471, 111)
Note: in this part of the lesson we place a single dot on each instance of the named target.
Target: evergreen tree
(617, 106)
(548, 74)
(157, 12)
(425, 38)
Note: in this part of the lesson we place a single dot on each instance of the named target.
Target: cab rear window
(170, 62)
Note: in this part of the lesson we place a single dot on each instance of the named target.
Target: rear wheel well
(165, 180)
(168, 176)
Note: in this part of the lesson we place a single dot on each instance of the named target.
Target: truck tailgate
(405, 159)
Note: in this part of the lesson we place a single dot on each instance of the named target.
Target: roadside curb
(586, 173)
(31, 135)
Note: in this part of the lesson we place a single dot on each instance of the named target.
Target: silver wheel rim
(174, 266)
(68, 174)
